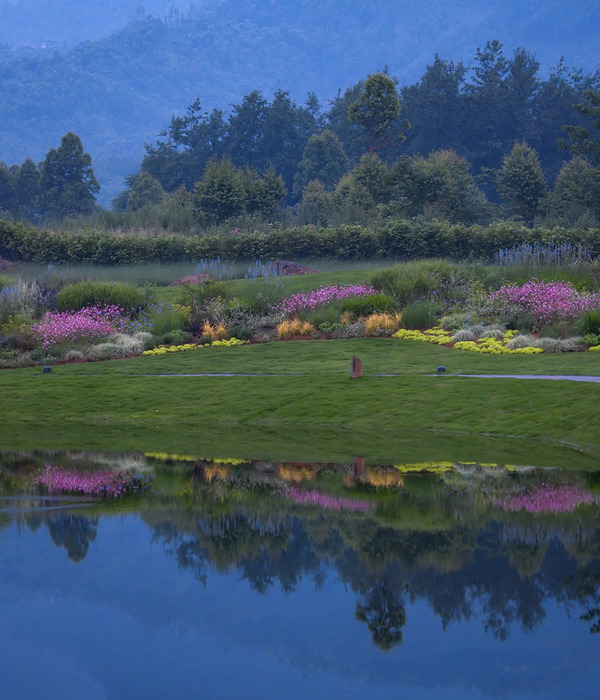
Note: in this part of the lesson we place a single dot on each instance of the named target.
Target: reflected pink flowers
(325, 500)
(548, 499)
(94, 483)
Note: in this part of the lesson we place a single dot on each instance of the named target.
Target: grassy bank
(316, 412)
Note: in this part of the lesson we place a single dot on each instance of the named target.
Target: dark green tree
(191, 141)
(367, 185)
(7, 188)
(287, 130)
(435, 107)
(349, 133)
(447, 189)
(220, 194)
(521, 182)
(263, 194)
(323, 159)
(67, 181)
(585, 140)
(27, 190)
(144, 192)
(226, 191)
(246, 129)
(576, 194)
(377, 110)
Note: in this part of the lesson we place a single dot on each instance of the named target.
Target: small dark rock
(190, 279)
(286, 267)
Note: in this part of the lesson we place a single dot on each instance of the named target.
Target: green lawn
(316, 412)
(287, 285)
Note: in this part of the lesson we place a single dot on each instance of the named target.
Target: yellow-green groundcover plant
(490, 346)
(165, 349)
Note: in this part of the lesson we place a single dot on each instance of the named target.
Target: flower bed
(546, 302)
(318, 297)
(86, 324)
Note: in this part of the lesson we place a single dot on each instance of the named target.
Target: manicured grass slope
(284, 285)
(321, 414)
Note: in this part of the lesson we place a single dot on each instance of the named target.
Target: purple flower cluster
(548, 499)
(325, 500)
(89, 322)
(323, 295)
(547, 301)
(95, 483)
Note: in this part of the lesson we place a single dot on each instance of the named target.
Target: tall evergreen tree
(585, 140)
(323, 159)
(67, 181)
(521, 182)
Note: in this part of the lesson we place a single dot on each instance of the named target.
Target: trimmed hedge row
(402, 240)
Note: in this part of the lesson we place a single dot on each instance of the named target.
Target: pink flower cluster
(89, 322)
(547, 301)
(548, 499)
(323, 295)
(325, 500)
(95, 483)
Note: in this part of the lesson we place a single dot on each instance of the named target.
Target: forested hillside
(119, 91)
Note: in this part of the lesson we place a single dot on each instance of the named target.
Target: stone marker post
(357, 368)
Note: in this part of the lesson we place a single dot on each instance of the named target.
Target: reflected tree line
(463, 573)
(493, 567)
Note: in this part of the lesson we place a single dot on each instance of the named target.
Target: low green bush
(176, 337)
(165, 319)
(420, 315)
(589, 323)
(363, 306)
(90, 293)
(241, 332)
(590, 340)
(328, 313)
(260, 296)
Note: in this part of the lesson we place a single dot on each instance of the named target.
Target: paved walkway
(564, 377)
(567, 377)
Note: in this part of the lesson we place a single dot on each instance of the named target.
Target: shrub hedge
(402, 240)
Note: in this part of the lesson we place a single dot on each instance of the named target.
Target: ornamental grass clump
(294, 327)
(88, 323)
(324, 295)
(381, 324)
(217, 331)
(545, 302)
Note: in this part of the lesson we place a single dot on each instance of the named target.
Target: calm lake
(138, 575)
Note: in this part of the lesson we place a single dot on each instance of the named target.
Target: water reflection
(503, 550)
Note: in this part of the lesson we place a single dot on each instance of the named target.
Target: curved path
(566, 377)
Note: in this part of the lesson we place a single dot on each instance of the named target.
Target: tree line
(465, 146)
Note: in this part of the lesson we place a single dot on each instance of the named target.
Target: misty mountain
(114, 73)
